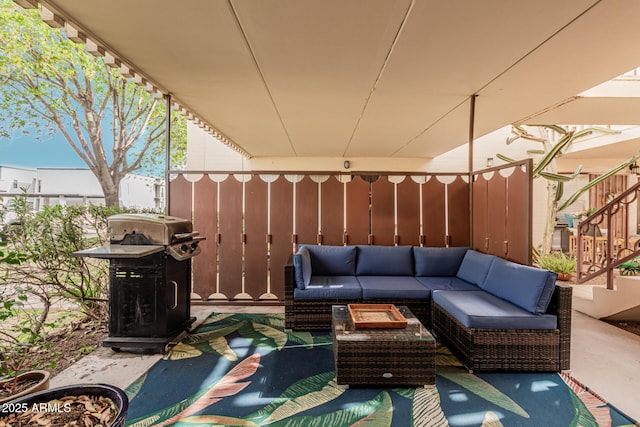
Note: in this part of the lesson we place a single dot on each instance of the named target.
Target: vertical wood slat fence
(502, 201)
(254, 221)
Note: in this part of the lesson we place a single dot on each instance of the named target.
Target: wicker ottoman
(382, 357)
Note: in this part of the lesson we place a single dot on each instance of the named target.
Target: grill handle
(175, 294)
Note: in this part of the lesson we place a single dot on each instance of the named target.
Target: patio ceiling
(363, 78)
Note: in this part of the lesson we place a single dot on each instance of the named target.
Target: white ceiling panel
(370, 78)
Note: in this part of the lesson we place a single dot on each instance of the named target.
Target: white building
(77, 186)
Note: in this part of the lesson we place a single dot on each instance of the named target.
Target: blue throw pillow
(475, 266)
(332, 260)
(528, 287)
(438, 262)
(385, 261)
(302, 265)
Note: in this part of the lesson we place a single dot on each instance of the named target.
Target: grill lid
(154, 229)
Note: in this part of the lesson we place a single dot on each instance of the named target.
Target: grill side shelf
(120, 251)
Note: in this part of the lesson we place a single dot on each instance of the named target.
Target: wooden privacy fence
(502, 200)
(254, 221)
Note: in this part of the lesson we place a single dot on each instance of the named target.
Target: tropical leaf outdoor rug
(245, 370)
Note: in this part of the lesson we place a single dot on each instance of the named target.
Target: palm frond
(227, 386)
(482, 389)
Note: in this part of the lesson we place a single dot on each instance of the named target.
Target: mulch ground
(70, 344)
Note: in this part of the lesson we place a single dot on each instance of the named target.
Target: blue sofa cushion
(481, 310)
(332, 260)
(447, 284)
(528, 287)
(474, 267)
(302, 266)
(330, 288)
(438, 262)
(381, 287)
(385, 261)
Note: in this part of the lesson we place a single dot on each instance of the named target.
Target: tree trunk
(111, 188)
(552, 212)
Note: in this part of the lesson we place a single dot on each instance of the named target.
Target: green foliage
(38, 268)
(545, 167)
(49, 84)
(630, 268)
(556, 261)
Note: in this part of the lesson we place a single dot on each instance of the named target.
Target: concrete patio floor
(603, 357)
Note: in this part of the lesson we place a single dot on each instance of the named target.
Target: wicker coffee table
(382, 357)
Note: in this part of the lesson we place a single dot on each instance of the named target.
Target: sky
(24, 151)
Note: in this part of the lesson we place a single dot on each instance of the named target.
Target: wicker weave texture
(510, 349)
(379, 357)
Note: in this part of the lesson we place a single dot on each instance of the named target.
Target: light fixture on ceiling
(633, 167)
(347, 164)
(489, 162)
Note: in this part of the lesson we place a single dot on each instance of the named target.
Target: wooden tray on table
(376, 316)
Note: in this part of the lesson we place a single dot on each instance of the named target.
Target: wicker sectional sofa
(495, 314)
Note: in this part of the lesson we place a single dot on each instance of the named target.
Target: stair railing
(606, 252)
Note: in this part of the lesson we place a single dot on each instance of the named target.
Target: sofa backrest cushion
(385, 261)
(438, 262)
(302, 266)
(332, 260)
(474, 267)
(528, 287)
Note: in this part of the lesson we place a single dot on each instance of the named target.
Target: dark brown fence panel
(459, 213)
(281, 232)
(519, 216)
(433, 213)
(307, 211)
(497, 198)
(480, 214)
(502, 212)
(358, 215)
(230, 248)
(383, 211)
(181, 197)
(408, 212)
(256, 245)
(205, 220)
(332, 211)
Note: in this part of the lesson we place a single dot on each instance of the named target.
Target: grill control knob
(184, 248)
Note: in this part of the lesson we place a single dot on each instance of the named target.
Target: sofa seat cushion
(528, 287)
(332, 260)
(446, 284)
(474, 267)
(481, 310)
(438, 262)
(375, 287)
(330, 287)
(385, 261)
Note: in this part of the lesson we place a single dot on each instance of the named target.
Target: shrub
(556, 261)
(630, 268)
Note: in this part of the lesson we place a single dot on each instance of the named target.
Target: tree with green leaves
(546, 168)
(50, 84)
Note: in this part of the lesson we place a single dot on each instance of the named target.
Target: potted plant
(557, 261)
(104, 404)
(630, 268)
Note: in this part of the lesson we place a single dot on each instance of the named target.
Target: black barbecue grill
(149, 279)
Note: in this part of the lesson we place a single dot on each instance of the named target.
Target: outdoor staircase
(620, 298)
(621, 303)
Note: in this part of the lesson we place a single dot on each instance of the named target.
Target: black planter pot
(114, 393)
